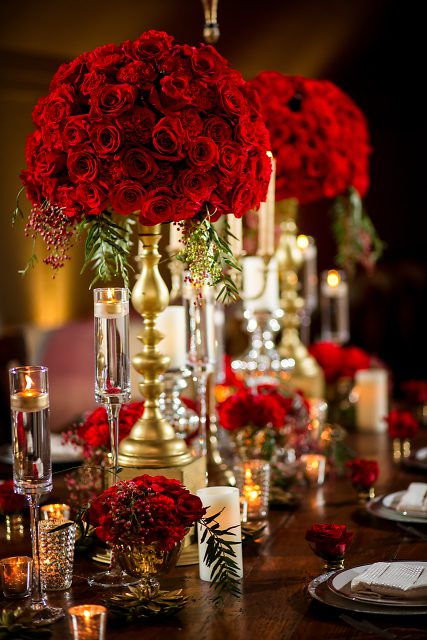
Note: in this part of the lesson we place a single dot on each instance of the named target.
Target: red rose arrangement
(165, 131)
(145, 510)
(329, 541)
(319, 137)
(402, 424)
(246, 408)
(337, 361)
(415, 391)
(10, 502)
(93, 433)
(363, 473)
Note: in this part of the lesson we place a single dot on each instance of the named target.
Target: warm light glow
(86, 613)
(253, 495)
(28, 382)
(110, 296)
(302, 242)
(333, 278)
(270, 155)
(248, 475)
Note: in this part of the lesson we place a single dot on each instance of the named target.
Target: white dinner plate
(340, 583)
(60, 453)
(391, 500)
(379, 508)
(319, 590)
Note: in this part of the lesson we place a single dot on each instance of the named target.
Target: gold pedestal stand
(152, 446)
(307, 374)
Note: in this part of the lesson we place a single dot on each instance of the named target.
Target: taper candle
(334, 306)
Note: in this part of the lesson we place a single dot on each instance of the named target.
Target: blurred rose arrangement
(402, 424)
(338, 361)
(363, 473)
(329, 541)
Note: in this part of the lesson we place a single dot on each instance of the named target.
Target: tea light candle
(55, 512)
(260, 294)
(314, 465)
(110, 305)
(29, 399)
(371, 392)
(251, 491)
(16, 574)
(87, 622)
(236, 242)
(334, 306)
(225, 500)
(171, 322)
(266, 215)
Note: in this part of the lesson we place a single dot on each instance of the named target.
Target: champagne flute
(32, 467)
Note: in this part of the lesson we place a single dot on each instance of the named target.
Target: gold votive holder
(87, 622)
(16, 576)
(57, 538)
(314, 468)
(55, 512)
(253, 482)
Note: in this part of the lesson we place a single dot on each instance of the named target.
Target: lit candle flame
(86, 613)
(248, 475)
(270, 155)
(333, 278)
(110, 294)
(29, 382)
(302, 242)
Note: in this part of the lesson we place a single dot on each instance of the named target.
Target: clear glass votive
(314, 467)
(55, 512)
(16, 576)
(57, 539)
(87, 622)
(253, 482)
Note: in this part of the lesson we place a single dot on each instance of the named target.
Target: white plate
(319, 590)
(391, 501)
(60, 453)
(378, 508)
(421, 455)
(340, 583)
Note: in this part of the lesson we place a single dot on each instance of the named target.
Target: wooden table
(274, 604)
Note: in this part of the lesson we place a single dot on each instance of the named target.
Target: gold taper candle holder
(307, 374)
(152, 442)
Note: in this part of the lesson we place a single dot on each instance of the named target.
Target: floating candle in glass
(16, 575)
(55, 512)
(334, 307)
(314, 467)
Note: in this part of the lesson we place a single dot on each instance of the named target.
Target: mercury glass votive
(16, 576)
(57, 539)
(87, 622)
(55, 512)
(253, 482)
(314, 468)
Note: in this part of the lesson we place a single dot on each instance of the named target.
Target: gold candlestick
(211, 28)
(152, 442)
(307, 374)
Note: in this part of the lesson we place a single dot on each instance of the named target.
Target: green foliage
(220, 558)
(17, 213)
(17, 624)
(209, 257)
(107, 246)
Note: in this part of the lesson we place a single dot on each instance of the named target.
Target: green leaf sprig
(220, 558)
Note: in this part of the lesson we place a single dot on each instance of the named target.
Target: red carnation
(402, 424)
(363, 473)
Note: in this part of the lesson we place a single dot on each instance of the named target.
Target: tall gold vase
(307, 374)
(152, 443)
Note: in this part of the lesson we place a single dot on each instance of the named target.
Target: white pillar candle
(175, 238)
(236, 242)
(334, 306)
(225, 500)
(259, 294)
(266, 215)
(171, 322)
(371, 391)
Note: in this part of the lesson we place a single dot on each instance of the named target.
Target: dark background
(372, 50)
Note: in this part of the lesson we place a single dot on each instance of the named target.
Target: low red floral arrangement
(149, 130)
(329, 541)
(10, 502)
(363, 473)
(339, 362)
(146, 510)
(402, 424)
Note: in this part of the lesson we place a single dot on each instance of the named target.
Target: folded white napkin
(414, 499)
(395, 579)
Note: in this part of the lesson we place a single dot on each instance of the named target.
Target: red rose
(354, 359)
(329, 356)
(415, 391)
(93, 195)
(69, 72)
(232, 101)
(60, 104)
(330, 541)
(241, 199)
(105, 136)
(207, 62)
(203, 152)
(75, 131)
(49, 163)
(218, 129)
(191, 507)
(113, 100)
(196, 185)
(138, 73)
(175, 92)
(402, 424)
(167, 138)
(157, 208)
(82, 163)
(230, 158)
(105, 59)
(151, 45)
(140, 164)
(127, 197)
(363, 473)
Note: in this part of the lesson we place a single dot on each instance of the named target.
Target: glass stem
(113, 411)
(37, 596)
(201, 377)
